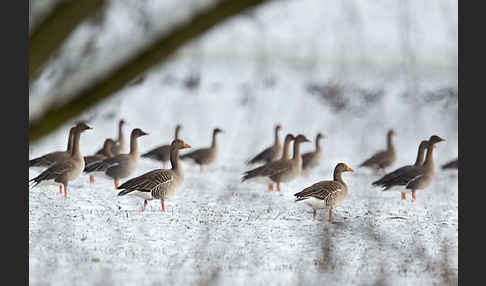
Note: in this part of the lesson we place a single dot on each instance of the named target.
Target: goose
(418, 177)
(285, 156)
(394, 178)
(326, 194)
(382, 159)
(160, 183)
(312, 159)
(281, 170)
(272, 153)
(162, 153)
(119, 144)
(122, 165)
(53, 157)
(204, 156)
(67, 170)
(99, 157)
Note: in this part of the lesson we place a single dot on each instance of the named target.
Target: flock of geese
(277, 167)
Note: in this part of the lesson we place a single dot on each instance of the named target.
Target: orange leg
(200, 168)
(413, 196)
(270, 187)
(404, 196)
(278, 187)
(163, 205)
(91, 179)
(144, 204)
(116, 184)
(60, 189)
(65, 191)
(330, 215)
(314, 215)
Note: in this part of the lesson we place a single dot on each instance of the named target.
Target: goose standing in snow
(161, 183)
(285, 156)
(204, 156)
(62, 172)
(418, 177)
(382, 159)
(122, 165)
(271, 153)
(119, 144)
(395, 178)
(326, 194)
(99, 157)
(162, 153)
(281, 170)
(312, 159)
(53, 157)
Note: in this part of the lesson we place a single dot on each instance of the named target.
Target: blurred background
(349, 69)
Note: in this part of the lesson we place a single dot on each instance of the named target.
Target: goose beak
(187, 145)
(145, 133)
(349, 169)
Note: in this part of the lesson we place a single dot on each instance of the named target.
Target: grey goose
(280, 171)
(53, 157)
(382, 159)
(122, 165)
(160, 183)
(162, 153)
(60, 173)
(395, 178)
(271, 153)
(326, 194)
(204, 156)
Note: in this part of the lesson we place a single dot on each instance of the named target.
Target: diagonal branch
(157, 52)
(51, 33)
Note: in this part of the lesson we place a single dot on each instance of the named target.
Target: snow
(219, 231)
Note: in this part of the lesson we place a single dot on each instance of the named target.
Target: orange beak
(349, 169)
(187, 145)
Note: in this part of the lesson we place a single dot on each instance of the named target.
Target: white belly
(314, 203)
(143, 195)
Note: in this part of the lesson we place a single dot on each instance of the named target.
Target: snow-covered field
(219, 231)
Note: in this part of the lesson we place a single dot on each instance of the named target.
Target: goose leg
(65, 191)
(91, 179)
(270, 187)
(163, 205)
(144, 205)
(200, 168)
(278, 187)
(330, 215)
(116, 184)
(413, 196)
(314, 215)
(60, 189)
(404, 196)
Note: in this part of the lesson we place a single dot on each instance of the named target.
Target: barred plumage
(160, 183)
(326, 194)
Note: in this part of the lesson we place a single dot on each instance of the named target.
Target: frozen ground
(219, 231)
